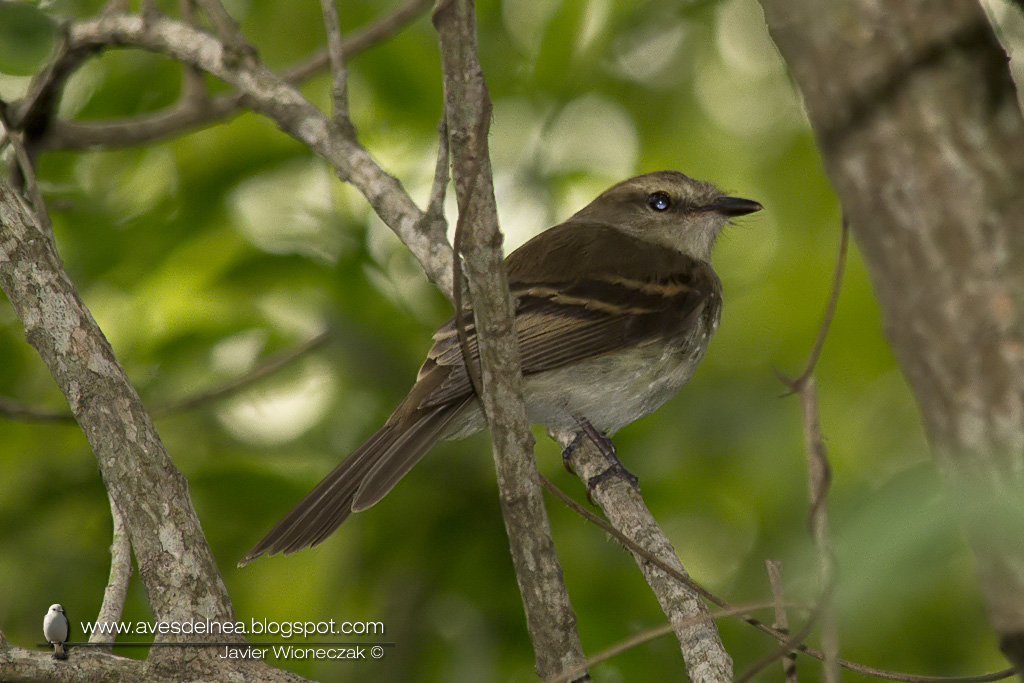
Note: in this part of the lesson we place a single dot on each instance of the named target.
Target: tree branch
(550, 618)
(781, 620)
(272, 96)
(225, 27)
(190, 113)
(34, 114)
(819, 479)
(139, 475)
(651, 634)
(176, 566)
(120, 574)
(790, 643)
(339, 72)
(193, 89)
(706, 658)
(92, 665)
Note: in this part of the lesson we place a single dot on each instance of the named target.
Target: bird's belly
(610, 391)
(613, 390)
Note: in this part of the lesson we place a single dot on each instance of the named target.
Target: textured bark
(706, 658)
(175, 563)
(549, 615)
(86, 665)
(923, 139)
(117, 585)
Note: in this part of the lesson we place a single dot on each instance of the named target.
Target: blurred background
(204, 255)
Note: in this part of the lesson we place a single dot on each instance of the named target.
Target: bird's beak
(734, 206)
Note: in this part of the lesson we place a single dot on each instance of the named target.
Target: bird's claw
(615, 469)
(569, 450)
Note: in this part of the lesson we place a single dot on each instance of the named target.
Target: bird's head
(668, 208)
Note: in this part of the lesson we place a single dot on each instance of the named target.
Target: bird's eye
(659, 201)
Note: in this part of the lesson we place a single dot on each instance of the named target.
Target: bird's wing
(597, 302)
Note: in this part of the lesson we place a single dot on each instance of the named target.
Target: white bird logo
(56, 628)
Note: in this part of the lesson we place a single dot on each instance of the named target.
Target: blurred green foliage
(26, 38)
(202, 255)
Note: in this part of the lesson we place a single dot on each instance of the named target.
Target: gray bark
(918, 122)
(549, 614)
(706, 658)
(175, 563)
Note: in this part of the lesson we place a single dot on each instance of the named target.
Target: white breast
(55, 627)
(616, 389)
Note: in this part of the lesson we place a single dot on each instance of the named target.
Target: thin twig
(819, 473)
(114, 7)
(442, 174)
(14, 410)
(117, 586)
(792, 642)
(819, 478)
(864, 669)
(28, 176)
(267, 94)
(830, 311)
(185, 115)
(225, 27)
(193, 90)
(705, 656)
(781, 620)
(339, 72)
(363, 39)
(268, 367)
(650, 634)
(34, 114)
(462, 313)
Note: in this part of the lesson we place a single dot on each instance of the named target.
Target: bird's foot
(600, 439)
(569, 450)
(614, 470)
(607, 448)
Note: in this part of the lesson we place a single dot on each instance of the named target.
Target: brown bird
(615, 308)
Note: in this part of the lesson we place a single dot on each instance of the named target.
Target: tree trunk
(918, 122)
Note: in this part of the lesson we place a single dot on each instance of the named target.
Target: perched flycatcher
(614, 308)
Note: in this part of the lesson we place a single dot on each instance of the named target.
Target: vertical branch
(117, 585)
(819, 473)
(27, 175)
(781, 620)
(438, 189)
(819, 477)
(550, 619)
(339, 72)
(193, 90)
(225, 27)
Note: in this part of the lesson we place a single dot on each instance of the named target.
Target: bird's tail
(361, 480)
(59, 652)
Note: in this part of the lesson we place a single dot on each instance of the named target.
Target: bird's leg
(569, 450)
(607, 448)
